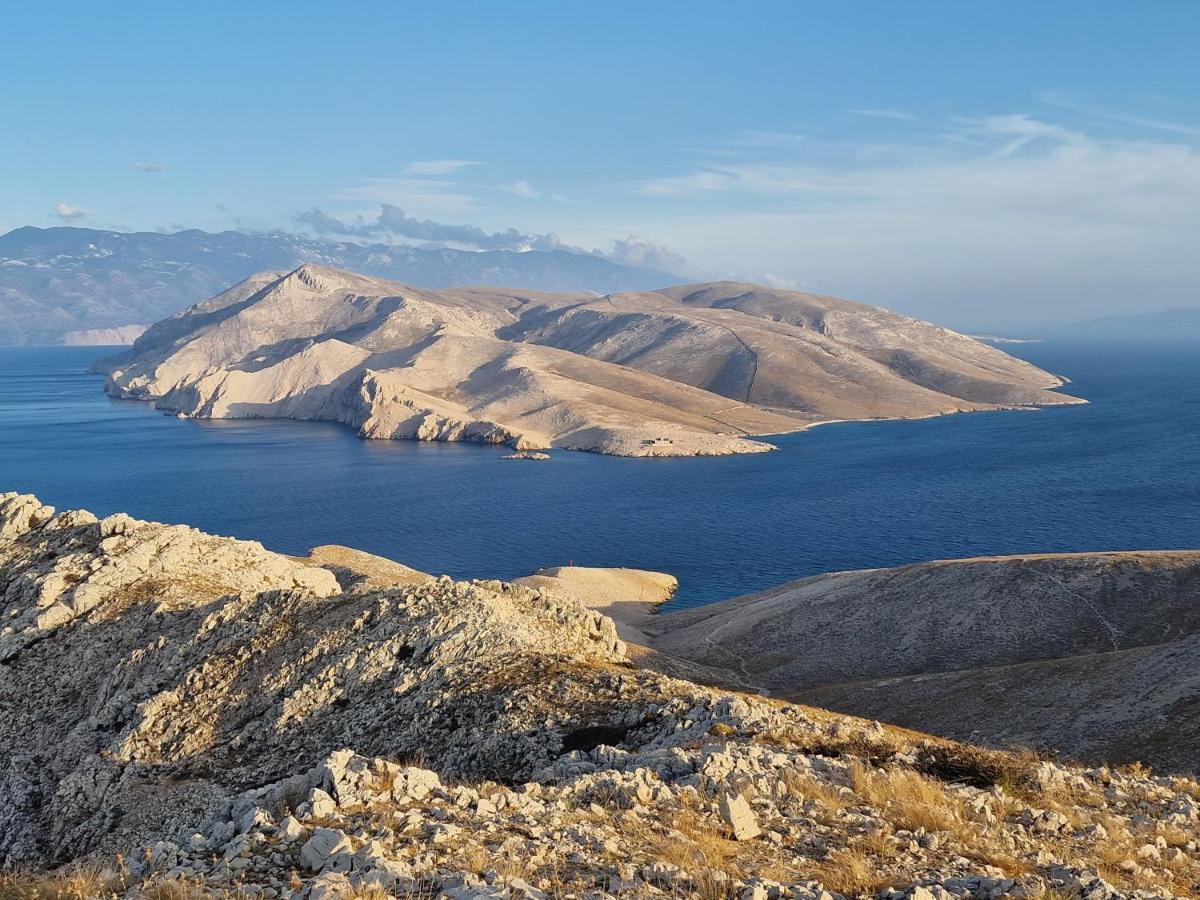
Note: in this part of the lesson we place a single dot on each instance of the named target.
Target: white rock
(737, 814)
(324, 844)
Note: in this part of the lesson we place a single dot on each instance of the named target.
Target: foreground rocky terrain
(694, 370)
(1092, 654)
(59, 280)
(184, 715)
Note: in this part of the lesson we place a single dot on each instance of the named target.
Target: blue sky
(977, 163)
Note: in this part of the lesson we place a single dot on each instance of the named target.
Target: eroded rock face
(234, 721)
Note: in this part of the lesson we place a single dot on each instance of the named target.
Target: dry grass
(877, 843)
(84, 882)
(877, 747)
(910, 799)
(918, 802)
(1014, 771)
(853, 872)
(476, 859)
(176, 889)
(829, 797)
(697, 843)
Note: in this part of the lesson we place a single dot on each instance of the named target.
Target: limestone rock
(740, 818)
(324, 845)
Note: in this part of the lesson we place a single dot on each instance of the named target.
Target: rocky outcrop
(687, 371)
(1090, 654)
(216, 719)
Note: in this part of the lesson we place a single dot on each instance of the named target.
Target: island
(697, 370)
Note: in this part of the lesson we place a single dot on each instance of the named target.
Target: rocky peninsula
(701, 369)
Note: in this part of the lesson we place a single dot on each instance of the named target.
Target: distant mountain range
(1178, 324)
(54, 281)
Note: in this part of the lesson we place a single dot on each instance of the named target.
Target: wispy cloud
(148, 168)
(521, 189)
(69, 211)
(1107, 115)
(755, 138)
(897, 115)
(1018, 130)
(1015, 206)
(437, 166)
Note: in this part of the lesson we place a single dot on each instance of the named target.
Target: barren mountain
(184, 715)
(695, 370)
(1095, 654)
(56, 280)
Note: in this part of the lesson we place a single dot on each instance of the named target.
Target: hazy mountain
(691, 370)
(1179, 324)
(57, 280)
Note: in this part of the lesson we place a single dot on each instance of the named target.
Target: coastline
(654, 450)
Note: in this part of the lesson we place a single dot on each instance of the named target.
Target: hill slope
(56, 280)
(235, 722)
(686, 371)
(1092, 654)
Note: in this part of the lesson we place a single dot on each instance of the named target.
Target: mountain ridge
(62, 279)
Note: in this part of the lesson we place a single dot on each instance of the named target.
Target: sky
(983, 164)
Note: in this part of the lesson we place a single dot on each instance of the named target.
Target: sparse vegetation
(522, 750)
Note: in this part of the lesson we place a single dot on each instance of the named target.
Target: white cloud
(1000, 218)
(437, 166)
(643, 254)
(148, 167)
(521, 189)
(70, 211)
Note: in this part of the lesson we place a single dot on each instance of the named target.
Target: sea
(1122, 472)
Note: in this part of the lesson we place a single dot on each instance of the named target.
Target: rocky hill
(57, 280)
(1094, 655)
(184, 715)
(694, 370)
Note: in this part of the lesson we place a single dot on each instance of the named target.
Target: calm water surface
(1122, 472)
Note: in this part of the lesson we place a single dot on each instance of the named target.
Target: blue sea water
(1122, 472)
